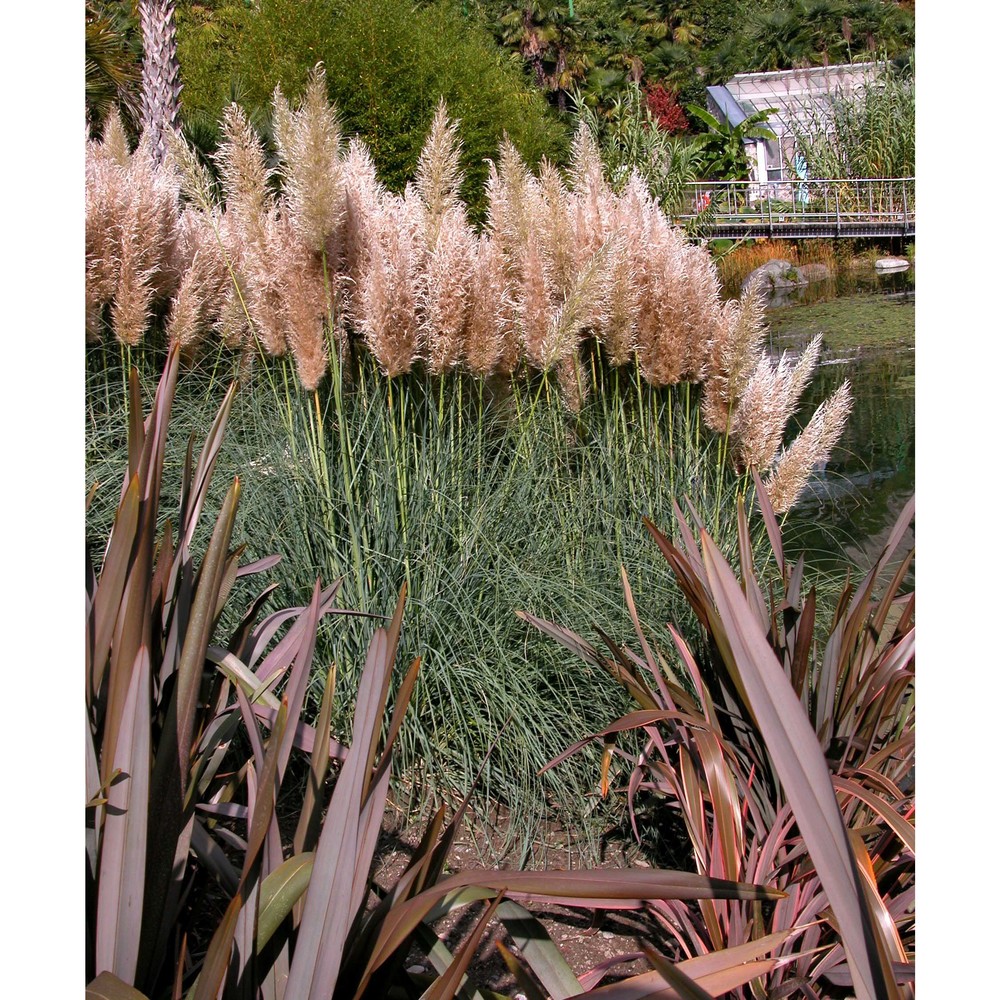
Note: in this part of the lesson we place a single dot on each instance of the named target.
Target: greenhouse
(799, 95)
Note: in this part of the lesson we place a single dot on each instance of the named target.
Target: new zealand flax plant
(192, 891)
(786, 757)
(165, 699)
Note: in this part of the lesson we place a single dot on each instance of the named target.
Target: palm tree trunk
(161, 85)
(560, 92)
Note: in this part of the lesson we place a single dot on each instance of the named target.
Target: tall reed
(869, 133)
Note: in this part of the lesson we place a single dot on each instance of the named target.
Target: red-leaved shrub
(662, 103)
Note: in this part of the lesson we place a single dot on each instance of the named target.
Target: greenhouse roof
(728, 105)
(797, 94)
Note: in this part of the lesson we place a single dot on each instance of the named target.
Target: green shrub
(386, 68)
(206, 43)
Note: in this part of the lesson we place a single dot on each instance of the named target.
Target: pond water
(867, 321)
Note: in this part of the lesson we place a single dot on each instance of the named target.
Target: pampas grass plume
(488, 338)
(733, 354)
(387, 293)
(245, 174)
(768, 401)
(617, 332)
(301, 284)
(445, 290)
(308, 142)
(438, 177)
(812, 446)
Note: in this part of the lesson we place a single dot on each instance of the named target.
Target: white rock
(891, 264)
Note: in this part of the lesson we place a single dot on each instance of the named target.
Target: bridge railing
(830, 202)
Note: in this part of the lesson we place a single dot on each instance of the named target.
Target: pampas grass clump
(132, 224)
(309, 255)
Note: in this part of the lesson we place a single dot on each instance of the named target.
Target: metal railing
(803, 208)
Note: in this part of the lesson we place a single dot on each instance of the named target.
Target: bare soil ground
(587, 938)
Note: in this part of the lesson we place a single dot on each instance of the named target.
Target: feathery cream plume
(132, 212)
(592, 202)
(445, 290)
(156, 207)
(812, 446)
(510, 190)
(196, 304)
(103, 218)
(362, 196)
(195, 181)
(301, 282)
(308, 142)
(251, 231)
(768, 401)
(677, 309)
(617, 333)
(488, 338)
(444, 270)
(233, 324)
(130, 309)
(114, 145)
(660, 279)
(580, 309)
(245, 175)
(386, 296)
(586, 172)
(734, 352)
(185, 322)
(702, 310)
(256, 250)
(554, 228)
(533, 307)
(761, 415)
(438, 177)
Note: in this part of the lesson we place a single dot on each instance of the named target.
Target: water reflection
(852, 502)
(858, 279)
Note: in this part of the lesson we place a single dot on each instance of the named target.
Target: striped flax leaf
(448, 984)
(218, 957)
(717, 973)
(152, 736)
(123, 839)
(624, 889)
(348, 837)
(540, 952)
(310, 819)
(107, 596)
(108, 986)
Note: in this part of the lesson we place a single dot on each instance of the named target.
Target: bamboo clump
(308, 253)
